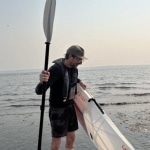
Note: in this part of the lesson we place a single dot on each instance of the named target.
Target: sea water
(122, 91)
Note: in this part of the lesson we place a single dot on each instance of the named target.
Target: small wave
(8, 100)
(117, 87)
(27, 105)
(127, 83)
(123, 103)
(138, 94)
(104, 88)
(17, 114)
(19, 99)
(9, 94)
(106, 84)
(6, 94)
(125, 87)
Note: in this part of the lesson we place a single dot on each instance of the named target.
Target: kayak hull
(98, 126)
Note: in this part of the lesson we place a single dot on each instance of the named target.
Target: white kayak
(98, 126)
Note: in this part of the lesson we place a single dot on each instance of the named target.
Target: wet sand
(19, 128)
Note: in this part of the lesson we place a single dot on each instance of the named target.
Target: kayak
(99, 127)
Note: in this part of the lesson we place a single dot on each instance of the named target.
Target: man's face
(75, 61)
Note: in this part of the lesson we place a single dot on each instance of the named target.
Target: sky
(112, 32)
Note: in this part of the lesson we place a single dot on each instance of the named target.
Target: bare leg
(70, 138)
(55, 143)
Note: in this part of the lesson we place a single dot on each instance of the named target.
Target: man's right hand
(44, 76)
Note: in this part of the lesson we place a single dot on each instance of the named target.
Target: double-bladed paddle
(48, 20)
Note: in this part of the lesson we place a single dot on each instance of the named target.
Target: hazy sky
(112, 32)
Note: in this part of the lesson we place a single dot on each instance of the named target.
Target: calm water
(123, 92)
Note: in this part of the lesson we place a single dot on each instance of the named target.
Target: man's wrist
(78, 80)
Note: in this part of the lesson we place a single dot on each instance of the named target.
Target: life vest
(69, 88)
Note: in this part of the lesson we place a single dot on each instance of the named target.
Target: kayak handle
(92, 99)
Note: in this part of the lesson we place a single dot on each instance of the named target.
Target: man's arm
(82, 84)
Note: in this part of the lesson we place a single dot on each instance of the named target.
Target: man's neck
(67, 63)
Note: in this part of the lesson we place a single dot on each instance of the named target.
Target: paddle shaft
(43, 98)
(48, 19)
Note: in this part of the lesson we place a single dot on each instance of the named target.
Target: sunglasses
(77, 58)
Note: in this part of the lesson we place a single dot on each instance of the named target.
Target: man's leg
(55, 143)
(70, 138)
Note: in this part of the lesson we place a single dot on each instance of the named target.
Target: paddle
(48, 20)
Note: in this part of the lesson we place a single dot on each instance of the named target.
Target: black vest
(70, 77)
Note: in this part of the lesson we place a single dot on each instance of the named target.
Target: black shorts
(63, 120)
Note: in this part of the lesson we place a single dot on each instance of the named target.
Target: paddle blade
(48, 20)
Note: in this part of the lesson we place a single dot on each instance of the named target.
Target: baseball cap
(76, 51)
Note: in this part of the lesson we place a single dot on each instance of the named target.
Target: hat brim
(83, 58)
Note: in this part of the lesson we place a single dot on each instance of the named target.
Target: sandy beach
(19, 130)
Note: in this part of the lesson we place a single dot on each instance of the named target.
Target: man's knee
(55, 143)
(70, 137)
(70, 140)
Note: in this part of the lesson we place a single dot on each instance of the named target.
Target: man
(62, 78)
